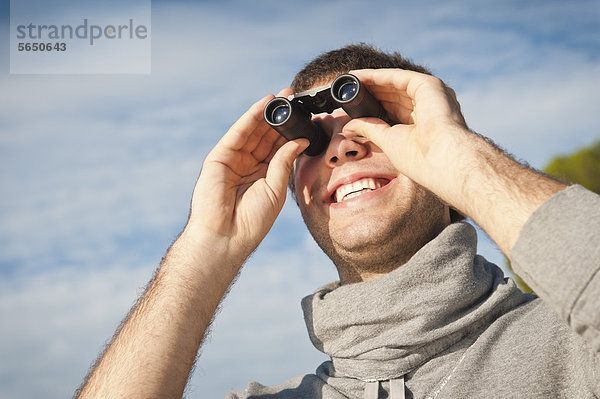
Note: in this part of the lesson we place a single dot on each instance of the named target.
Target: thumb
(384, 136)
(280, 166)
(373, 129)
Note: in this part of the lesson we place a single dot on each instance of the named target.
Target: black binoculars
(291, 116)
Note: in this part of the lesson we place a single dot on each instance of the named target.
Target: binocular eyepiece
(291, 116)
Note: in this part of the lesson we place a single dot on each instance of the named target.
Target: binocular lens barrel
(356, 100)
(289, 120)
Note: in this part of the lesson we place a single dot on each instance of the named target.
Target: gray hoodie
(447, 324)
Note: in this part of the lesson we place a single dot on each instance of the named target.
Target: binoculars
(291, 116)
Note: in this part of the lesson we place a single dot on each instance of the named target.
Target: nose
(342, 149)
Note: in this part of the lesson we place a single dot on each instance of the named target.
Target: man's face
(362, 212)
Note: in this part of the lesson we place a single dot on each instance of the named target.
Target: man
(416, 313)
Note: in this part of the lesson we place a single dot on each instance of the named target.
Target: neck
(377, 259)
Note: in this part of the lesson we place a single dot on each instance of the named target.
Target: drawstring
(396, 389)
(372, 390)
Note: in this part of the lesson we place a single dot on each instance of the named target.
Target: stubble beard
(380, 245)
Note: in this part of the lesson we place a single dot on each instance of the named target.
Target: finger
(276, 146)
(285, 92)
(373, 129)
(394, 96)
(281, 165)
(402, 80)
(392, 77)
(267, 145)
(250, 126)
(397, 103)
(398, 112)
(252, 141)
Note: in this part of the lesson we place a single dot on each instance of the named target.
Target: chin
(378, 243)
(365, 235)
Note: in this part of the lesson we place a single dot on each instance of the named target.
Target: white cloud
(539, 114)
(97, 170)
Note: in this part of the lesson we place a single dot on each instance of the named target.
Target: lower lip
(364, 197)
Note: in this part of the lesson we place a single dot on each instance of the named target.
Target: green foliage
(581, 167)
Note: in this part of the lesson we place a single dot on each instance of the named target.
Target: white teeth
(357, 188)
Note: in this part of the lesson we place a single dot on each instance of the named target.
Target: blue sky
(97, 170)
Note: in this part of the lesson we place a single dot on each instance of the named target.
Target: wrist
(495, 191)
(209, 249)
(449, 165)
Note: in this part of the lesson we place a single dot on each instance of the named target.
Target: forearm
(494, 190)
(237, 198)
(153, 353)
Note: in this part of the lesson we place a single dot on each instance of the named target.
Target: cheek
(306, 197)
(305, 178)
(302, 187)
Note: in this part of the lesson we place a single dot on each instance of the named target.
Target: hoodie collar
(383, 328)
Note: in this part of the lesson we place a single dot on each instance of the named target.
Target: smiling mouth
(357, 188)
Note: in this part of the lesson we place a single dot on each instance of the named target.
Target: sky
(97, 170)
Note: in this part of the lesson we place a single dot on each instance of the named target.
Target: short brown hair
(354, 56)
(333, 63)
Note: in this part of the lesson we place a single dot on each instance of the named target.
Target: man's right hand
(242, 186)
